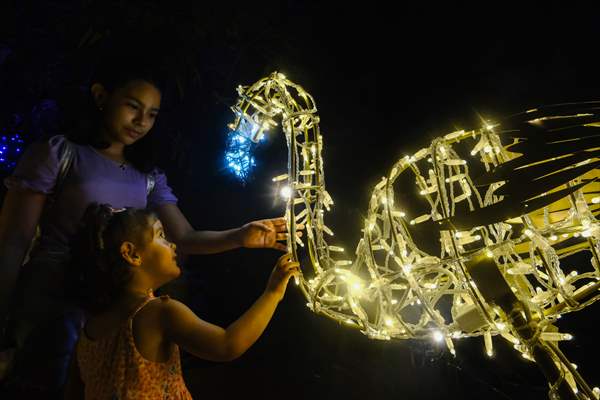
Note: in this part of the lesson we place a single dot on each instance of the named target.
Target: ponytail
(98, 273)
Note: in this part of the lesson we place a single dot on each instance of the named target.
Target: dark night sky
(386, 81)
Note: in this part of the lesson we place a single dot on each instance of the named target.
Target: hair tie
(113, 211)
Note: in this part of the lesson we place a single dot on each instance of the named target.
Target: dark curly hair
(97, 271)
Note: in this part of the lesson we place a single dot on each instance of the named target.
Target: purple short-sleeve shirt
(92, 177)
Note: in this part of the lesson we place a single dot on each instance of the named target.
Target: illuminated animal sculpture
(478, 234)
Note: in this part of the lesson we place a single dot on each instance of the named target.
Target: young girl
(129, 345)
(111, 162)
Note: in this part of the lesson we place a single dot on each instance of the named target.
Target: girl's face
(129, 112)
(158, 256)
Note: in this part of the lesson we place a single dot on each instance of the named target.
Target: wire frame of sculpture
(486, 232)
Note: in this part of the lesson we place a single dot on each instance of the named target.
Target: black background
(386, 80)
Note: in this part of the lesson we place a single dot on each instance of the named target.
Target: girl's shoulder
(153, 311)
(148, 330)
(56, 149)
(57, 143)
(145, 317)
(53, 145)
(41, 163)
(162, 312)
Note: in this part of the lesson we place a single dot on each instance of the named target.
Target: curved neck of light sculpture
(276, 99)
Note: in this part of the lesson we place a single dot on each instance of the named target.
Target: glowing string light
(239, 158)
(515, 240)
(11, 146)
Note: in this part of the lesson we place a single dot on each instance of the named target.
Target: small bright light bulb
(586, 233)
(438, 336)
(286, 192)
(553, 238)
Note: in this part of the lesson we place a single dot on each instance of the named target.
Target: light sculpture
(486, 232)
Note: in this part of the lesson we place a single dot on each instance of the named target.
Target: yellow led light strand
(391, 271)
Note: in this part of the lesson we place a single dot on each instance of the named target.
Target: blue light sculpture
(241, 141)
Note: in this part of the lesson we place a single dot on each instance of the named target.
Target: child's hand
(283, 271)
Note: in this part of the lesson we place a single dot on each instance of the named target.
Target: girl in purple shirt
(109, 165)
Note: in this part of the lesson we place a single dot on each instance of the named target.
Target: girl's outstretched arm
(257, 234)
(19, 217)
(214, 343)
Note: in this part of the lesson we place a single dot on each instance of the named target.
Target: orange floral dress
(113, 369)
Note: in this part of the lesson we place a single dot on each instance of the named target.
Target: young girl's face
(130, 111)
(158, 256)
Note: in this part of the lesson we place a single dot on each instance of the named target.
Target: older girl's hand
(266, 233)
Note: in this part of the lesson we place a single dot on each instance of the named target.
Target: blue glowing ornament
(11, 146)
(241, 141)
